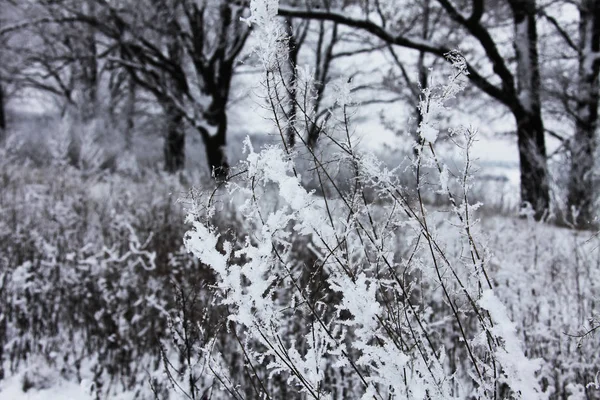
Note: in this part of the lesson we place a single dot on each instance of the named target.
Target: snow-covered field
(106, 291)
(12, 388)
(93, 262)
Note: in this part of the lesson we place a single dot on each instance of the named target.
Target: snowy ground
(547, 276)
(59, 389)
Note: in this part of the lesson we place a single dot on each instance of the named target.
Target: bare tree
(583, 145)
(573, 93)
(86, 68)
(3, 45)
(527, 108)
(519, 92)
(427, 18)
(5, 4)
(52, 52)
(184, 52)
(322, 46)
(2, 112)
(296, 37)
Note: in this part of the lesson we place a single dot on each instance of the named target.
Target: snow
(11, 389)
(271, 42)
(428, 132)
(444, 178)
(518, 370)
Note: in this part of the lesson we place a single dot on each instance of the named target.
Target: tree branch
(560, 31)
(478, 80)
(36, 22)
(475, 28)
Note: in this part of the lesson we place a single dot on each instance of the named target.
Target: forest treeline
(538, 61)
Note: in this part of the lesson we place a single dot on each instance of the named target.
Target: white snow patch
(12, 388)
(519, 371)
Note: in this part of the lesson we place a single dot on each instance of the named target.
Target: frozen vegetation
(100, 297)
(308, 264)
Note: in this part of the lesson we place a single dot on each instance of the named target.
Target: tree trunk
(581, 195)
(174, 147)
(532, 154)
(324, 58)
(214, 145)
(423, 78)
(293, 50)
(2, 121)
(535, 189)
(88, 68)
(130, 114)
(176, 87)
(2, 114)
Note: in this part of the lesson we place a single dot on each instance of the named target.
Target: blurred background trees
(177, 59)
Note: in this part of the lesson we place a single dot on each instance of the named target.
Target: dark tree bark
(215, 145)
(174, 146)
(324, 56)
(535, 189)
(581, 190)
(532, 157)
(2, 99)
(130, 114)
(176, 86)
(2, 111)
(82, 39)
(423, 74)
(2, 114)
(89, 77)
(293, 51)
(214, 133)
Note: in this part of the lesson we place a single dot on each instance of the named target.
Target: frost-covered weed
(360, 307)
(549, 280)
(88, 276)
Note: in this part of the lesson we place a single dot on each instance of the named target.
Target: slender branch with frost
(354, 303)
